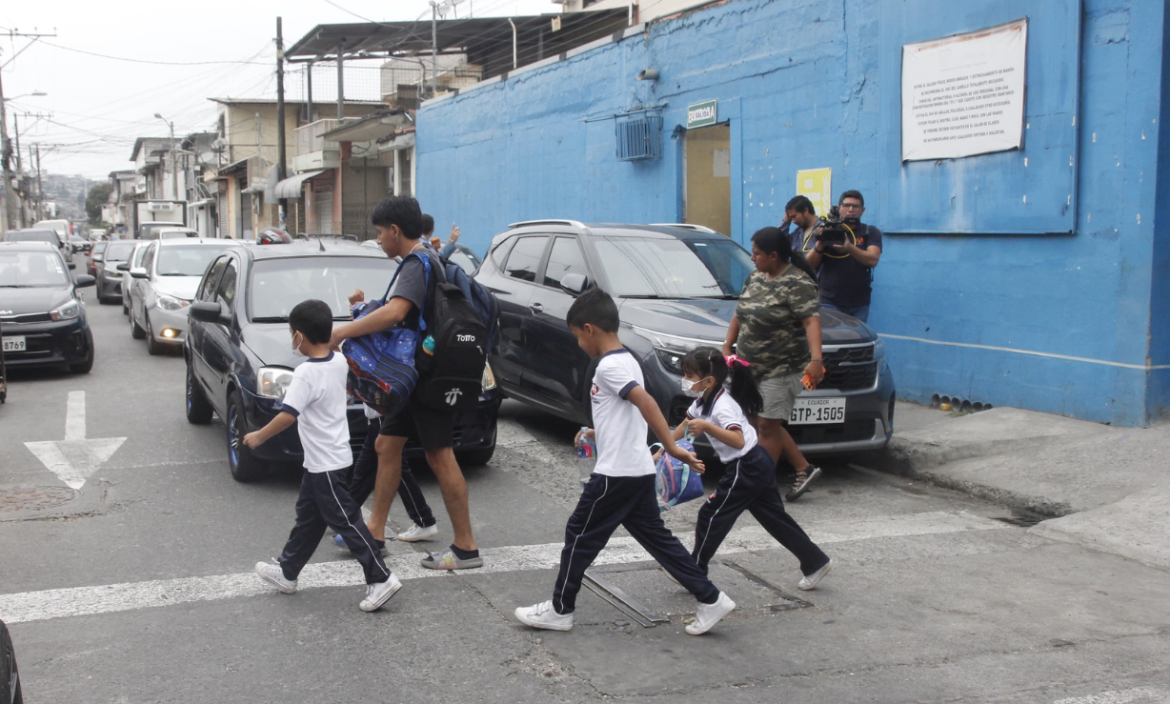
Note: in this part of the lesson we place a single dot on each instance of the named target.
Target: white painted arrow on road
(74, 459)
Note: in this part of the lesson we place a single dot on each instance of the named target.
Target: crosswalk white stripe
(24, 607)
(1145, 695)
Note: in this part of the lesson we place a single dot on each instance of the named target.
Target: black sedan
(10, 692)
(676, 287)
(239, 352)
(43, 315)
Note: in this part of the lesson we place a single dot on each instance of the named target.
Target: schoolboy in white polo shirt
(621, 490)
(316, 402)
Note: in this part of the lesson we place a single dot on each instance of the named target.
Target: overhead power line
(155, 63)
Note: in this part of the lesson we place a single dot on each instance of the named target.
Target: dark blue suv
(239, 352)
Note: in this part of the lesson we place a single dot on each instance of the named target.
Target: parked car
(239, 355)
(149, 230)
(80, 244)
(10, 690)
(676, 287)
(133, 262)
(96, 234)
(63, 228)
(456, 253)
(42, 312)
(167, 233)
(93, 258)
(163, 284)
(41, 234)
(109, 277)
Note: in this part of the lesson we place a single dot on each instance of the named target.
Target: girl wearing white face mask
(749, 484)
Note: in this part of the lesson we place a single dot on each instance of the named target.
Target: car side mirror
(123, 266)
(84, 280)
(72, 265)
(138, 273)
(205, 311)
(574, 283)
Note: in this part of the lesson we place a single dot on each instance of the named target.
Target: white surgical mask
(296, 348)
(689, 389)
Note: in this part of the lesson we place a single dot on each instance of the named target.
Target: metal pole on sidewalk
(434, 48)
(340, 80)
(280, 138)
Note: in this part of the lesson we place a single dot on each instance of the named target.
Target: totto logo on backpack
(450, 372)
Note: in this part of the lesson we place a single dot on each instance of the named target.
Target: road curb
(920, 461)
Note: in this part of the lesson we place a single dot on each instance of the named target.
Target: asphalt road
(139, 589)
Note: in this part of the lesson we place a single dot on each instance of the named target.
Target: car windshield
(119, 251)
(279, 284)
(37, 236)
(99, 247)
(26, 269)
(467, 262)
(185, 261)
(671, 268)
(173, 234)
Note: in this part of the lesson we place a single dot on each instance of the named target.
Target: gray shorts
(780, 395)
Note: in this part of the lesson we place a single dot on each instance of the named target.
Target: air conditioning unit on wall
(639, 138)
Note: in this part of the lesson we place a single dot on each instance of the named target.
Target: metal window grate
(639, 138)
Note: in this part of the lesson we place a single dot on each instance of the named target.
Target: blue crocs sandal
(340, 542)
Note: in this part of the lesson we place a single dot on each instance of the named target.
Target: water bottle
(586, 457)
(428, 345)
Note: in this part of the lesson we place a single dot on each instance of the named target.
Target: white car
(134, 262)
(167, 233)
(164, 286)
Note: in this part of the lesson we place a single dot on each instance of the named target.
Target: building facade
(1036, 277)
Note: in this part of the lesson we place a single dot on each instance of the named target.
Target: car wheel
(244, 467)
(198, 408)
(136, 331)
(83, 367)
(152, 347)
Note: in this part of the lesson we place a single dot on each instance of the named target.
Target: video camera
(834, 230)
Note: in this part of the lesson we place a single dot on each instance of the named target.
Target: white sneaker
(710, 614)
(811, 581)
(271, 572)
(416, 533)
(544, 616)
(379, 593)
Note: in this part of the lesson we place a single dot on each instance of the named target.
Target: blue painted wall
(1059, 323)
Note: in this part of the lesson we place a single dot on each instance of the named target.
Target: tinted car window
(665, 268)
(565, 258)
(525, 258)
(729, 262)
(277, 285)
(185, 261)
(227, 285)
(500, 253)
(23, 269)
(207, 290)
(119, 251)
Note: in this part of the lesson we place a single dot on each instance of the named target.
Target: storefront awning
(291, 187)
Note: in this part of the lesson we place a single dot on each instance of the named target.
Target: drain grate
(22, 498)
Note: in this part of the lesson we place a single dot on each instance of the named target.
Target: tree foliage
(98, 196)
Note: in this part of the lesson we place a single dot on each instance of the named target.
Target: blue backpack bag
(381, 365)
(676, 482)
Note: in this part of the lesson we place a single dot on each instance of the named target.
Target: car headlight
(879, 350)
(489, 379)
(70, 310)
(272, 382)
(170, 302)
(671, 348)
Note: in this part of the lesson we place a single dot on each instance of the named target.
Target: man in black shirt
(845, 270)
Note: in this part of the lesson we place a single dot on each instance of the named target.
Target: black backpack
(451, 375)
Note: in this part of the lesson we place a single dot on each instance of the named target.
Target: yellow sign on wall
(817, 184)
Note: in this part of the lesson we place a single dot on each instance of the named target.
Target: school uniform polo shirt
(620, 428)
(722, 410)
(316, 396)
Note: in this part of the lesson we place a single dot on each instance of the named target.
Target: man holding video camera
(845, 254)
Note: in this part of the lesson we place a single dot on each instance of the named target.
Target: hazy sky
(96, 106)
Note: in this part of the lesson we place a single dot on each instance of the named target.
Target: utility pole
(280, 140)
(40, 201)
(9, 221)
(434, 48)
(341, 80)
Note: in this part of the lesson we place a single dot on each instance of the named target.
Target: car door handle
(536, 308)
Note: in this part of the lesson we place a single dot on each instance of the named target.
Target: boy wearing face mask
(316, 402)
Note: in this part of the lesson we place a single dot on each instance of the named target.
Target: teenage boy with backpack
(398, 221)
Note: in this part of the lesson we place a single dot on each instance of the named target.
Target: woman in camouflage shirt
(775, 327)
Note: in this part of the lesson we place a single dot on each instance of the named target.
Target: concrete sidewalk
(1100, 486)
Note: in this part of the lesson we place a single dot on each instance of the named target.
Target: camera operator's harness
(851, 238)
